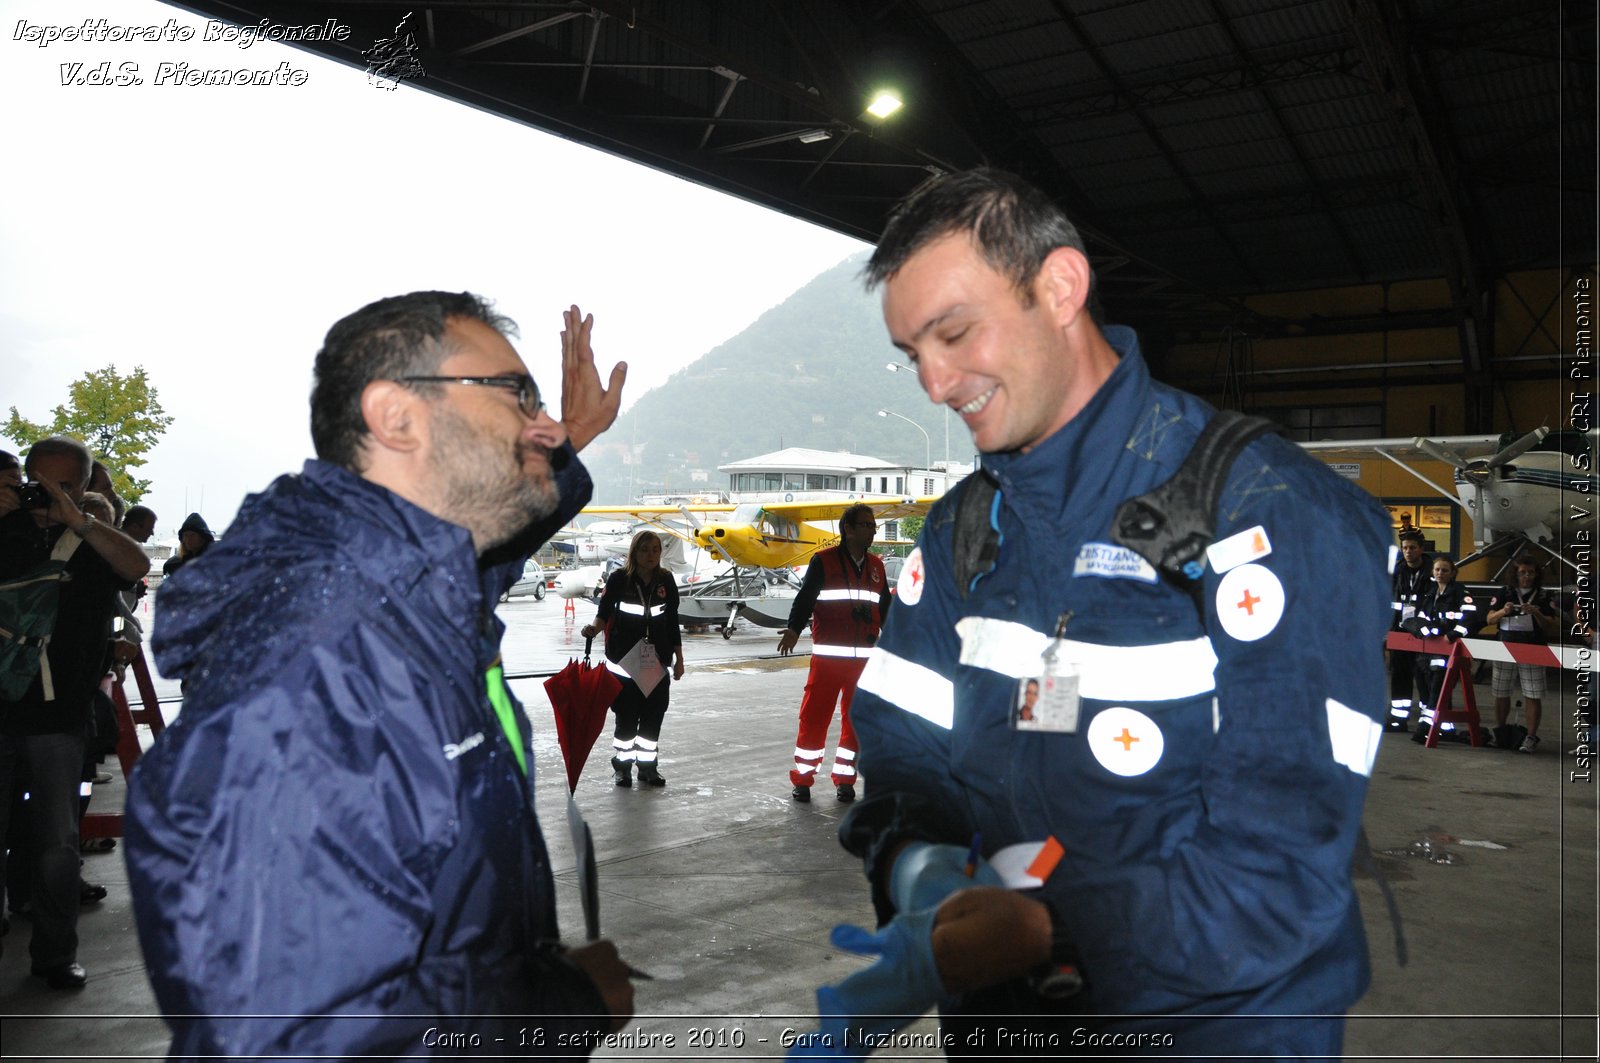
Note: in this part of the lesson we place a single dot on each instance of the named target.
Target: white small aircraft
(1517, 493)
(593, 542)
(683, 559)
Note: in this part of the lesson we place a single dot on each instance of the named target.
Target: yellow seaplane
(761, 543)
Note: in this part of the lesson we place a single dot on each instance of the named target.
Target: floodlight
(812, 136)
(884, 103)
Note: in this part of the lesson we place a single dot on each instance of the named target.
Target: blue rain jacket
(334, 835)
(1209, 801)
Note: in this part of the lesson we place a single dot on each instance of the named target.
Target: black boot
(624, 770)
(649, 776)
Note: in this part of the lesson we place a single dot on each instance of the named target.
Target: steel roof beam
(1112, 78)
(1374, 28)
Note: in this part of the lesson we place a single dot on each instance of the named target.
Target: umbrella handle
(588, 646)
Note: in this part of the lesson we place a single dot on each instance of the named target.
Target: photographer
(42, 730)
(845, 597)
(1525, 613)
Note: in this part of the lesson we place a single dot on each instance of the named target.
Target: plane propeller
(694, 523)
(1479, 471)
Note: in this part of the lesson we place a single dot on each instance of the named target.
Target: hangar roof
(1209, 149)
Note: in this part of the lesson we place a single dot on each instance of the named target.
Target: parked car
(531, 583)
(891, 569)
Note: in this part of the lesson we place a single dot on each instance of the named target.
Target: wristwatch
(88, 526)
(1058, 977)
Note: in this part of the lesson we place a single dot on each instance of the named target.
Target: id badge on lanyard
(1049, 701)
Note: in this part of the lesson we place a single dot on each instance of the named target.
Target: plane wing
(1468, 447)
(645, 513)
(887, 507)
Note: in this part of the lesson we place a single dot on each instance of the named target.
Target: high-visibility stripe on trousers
(831, 681)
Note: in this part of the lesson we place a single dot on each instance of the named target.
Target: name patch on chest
(1112, 562)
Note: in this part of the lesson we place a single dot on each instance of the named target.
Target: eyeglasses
(527, 391)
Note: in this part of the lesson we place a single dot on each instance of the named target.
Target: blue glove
(925, 874)
(880, 999)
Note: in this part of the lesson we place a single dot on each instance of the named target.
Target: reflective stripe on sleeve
(907, 685)
(1354, 737)
(1163, 671)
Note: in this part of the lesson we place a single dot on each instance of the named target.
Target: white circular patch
(1249, 602)
(908, 588)
(1125, 741)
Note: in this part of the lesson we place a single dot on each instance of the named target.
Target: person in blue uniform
(333, 850)
(1169, 842)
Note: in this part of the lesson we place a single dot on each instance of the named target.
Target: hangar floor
(724, 889)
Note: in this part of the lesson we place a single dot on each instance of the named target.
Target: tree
(118, 417)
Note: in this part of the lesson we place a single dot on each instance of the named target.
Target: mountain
(810, 372)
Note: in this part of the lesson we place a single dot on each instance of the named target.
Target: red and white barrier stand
(1457, 671)
(109, 824)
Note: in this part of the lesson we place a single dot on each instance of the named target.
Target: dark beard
(482, 483)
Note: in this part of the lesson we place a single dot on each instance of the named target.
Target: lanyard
(500, 698)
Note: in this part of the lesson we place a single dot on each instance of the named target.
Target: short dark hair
(139, 513)
(856, 512)
(1014, 225)
(1412, 536)
(402, 335)
(9, 460)
(60, 445)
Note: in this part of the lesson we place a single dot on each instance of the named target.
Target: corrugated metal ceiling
(1210, 149)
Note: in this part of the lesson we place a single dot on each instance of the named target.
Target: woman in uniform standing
(639, 614)
(1445, 609)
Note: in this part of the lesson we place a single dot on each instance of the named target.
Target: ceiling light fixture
(884, 103)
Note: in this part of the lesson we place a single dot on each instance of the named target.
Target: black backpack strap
(1171, 525)
(975, 545)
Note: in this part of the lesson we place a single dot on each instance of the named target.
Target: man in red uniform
(845, 596)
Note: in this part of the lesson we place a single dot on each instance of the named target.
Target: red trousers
(831, 680)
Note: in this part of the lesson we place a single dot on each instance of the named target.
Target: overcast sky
(212, 234)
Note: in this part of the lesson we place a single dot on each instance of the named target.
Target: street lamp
(927, 444)
(899, 367)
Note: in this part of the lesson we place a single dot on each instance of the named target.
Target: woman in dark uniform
(639, 613)
(1446, 609)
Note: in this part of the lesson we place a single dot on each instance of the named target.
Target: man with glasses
(845, 597)
(333, 849)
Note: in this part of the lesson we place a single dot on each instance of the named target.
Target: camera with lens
(34, 496)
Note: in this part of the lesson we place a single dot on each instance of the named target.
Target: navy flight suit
(1208, 803)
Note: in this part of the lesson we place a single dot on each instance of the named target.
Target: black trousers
(1403, 676)
(638, 715)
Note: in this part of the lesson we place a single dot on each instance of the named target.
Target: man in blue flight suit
(1169, 840)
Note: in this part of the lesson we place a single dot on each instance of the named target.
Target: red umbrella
(580, 694)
